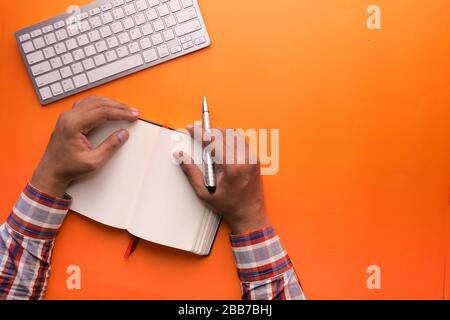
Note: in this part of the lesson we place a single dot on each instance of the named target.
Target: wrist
(49, 183)
(251, 221)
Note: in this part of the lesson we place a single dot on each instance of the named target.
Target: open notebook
(141, 189)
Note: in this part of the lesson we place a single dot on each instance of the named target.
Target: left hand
(69, 153)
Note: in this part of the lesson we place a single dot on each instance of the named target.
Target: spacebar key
(115, 68)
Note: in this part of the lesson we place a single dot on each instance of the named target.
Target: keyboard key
(88, 64)
(124, 38)
(118, 3)
(49, 52)
(39, 43)
(71, 44)
(56, 62)
(170, 21)
(188, 45)
(96, 22)
(168, 35)
(84, 26)
(151, 14)
(82, 40)
(118, 13)
(150, 55)
(128, 23)
(61, 34)
(116, 27)
(130, 9)
(175, 49)
(59, 24)
(139, 19)
(60, 48)
(90, 50)
(153, 3)
(41, 68)
(56, 89)
(175, 5)
(28, 47)
(105, 31)
(73, 30)
(157, 39)
(186, 15)
(48, 78)
(200, 40)
(134, 47)
(135, 34)
(163, 10)
(77, 68)
(94, 11)
(163, 51)
(48, 29)
(99, 60)
(122, 52)
(94, 35)
(111, 55)
(147, 29)
(141, 5)
(158, 25)
(78, 54)
(35, 57)
(145, 43)
(45, 93)
(112, 42)
(24, 37)
(80, 80)
(106, 7)
(115, 68)
(36, 33)
(68, 85)
(186, 3)
(66, 72)
(67, 58)
(188, 27)
(107, 17)
(101, 46)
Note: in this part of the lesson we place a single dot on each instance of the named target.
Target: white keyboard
(106, 40)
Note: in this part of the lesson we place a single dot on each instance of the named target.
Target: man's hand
(238, 196)
(69, 154)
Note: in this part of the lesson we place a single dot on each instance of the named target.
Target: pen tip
(205, 104)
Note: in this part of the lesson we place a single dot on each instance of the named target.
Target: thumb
(110, 145)
(193, 174)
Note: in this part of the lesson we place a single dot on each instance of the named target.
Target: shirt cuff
(38, 215)
(259, 255)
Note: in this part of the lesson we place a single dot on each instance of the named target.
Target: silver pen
(208, 163)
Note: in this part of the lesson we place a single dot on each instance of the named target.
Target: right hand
(238, 196)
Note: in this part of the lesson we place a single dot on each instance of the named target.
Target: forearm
(26, 244)
(264, 267)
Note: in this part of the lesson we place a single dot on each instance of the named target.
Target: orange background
(364, 145)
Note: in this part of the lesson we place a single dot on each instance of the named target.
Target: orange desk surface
(364, 145)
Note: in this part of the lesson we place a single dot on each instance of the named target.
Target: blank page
(168, 211)
(109, 195)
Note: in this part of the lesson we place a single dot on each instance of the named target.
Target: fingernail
(189, 126)
(122, 135)
(135, 113)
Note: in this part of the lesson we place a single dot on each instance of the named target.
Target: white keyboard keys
(122, 52)
(157, 39)
(188, 45)
(36, 33)
(66, 72)
(147, 29)
(135, 33)
(163, 10)
(130, 9)
(186, 3)
(77, 68)
(175, 5)
(88, 64)
(35, 57)
(28, 47)
(175, 49)
(99, 60)
(49, 52)
(145, 43)
(200, 40)
(150, 55)
(141, 5)
(186, 15)
(111, 55)
(151, 14)
(67, 58)
(61, 34)
(80, 80)
(105, 31)
(101, 46)
(39, 43)
(107, 17)
(158, 25)
(68, 85)
(133, 47)
(24, 37)
(48, 78)
(71, 44)
(41, 68)
(163, 51)
(56, 62)
(115, 68)
(188, 27)
(56, 89)
(45, 93)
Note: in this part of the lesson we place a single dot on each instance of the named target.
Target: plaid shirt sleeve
(26, 244)
(264, 267)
